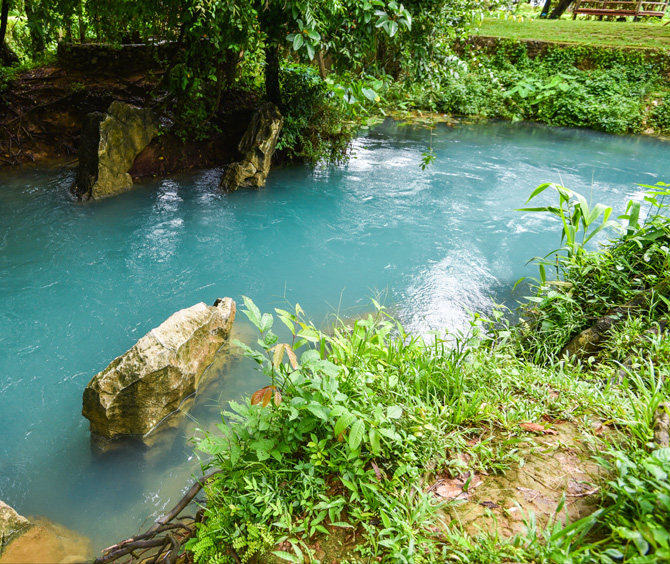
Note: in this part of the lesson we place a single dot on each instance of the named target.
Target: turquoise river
(81, 282)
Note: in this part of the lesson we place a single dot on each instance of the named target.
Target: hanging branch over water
(162, 543)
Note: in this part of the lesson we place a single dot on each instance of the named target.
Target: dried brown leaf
(293, 359)
(377, 471)
(278, 398)
(267, 396)
(450, 490)
(278, 355)
(257, 396)
(537, 428)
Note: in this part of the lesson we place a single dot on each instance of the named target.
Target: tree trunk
(7, 56)
(560, 9)
(4, 16)
(82, 27)
(322, 66)
(272, 89)
(545, 9)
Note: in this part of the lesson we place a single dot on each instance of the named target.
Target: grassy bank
(652, 35)
(372, 445)
(609, 90)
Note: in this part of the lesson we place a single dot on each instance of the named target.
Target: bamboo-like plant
(581, 222)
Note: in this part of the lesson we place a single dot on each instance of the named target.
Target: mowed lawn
(593, 32)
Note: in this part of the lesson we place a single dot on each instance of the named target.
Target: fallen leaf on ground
(455, 488)
(451, 491)
(377, 471)
(537, 428)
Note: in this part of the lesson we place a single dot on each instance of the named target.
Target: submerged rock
(48, 543)
(11, 524)
(257, 147)
(150, 381)
(109, 143)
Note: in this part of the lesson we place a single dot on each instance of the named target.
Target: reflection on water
(81, 283)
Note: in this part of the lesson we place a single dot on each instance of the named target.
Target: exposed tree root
(163, 541)
(590, 341)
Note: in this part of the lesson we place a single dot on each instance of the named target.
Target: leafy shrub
(608, 94)
(316, 127)
(638, 521)
(589, 284)
(660, 116)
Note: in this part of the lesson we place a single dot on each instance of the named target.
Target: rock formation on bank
(46, 542)
(11, 524)
(257, 147)
(150, 381)
(109, 143)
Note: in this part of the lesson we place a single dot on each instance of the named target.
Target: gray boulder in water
(149, 382)
(109, 143)
(257, 147)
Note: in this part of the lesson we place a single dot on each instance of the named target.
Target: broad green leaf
(541, 188)
(356, 434)
(266, 322)
(390, 434)
(343, 422)
(235, 453)
(252, 312)
(349, 485)
(394, 412)
(370, 94)
(374, 441)
(318, 410)
(393, 28)
(337, 411)
(287, 556)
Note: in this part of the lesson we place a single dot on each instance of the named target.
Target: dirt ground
(41, 114)
(562, 466)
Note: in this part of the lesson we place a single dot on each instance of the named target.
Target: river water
(80, 283)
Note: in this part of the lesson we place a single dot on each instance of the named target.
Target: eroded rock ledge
(109, 143)
(257, 147)
(150, 381)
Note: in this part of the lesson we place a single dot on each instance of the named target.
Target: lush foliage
(579, 86)
(354, 421)
(586, 286)
(317, 125)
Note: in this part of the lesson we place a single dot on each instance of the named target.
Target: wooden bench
(620, 8)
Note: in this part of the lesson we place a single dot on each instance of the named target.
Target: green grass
(357, 422)
(587, 32)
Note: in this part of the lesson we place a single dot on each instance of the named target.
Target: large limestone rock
(108, 146)
(11, 524)
(149, 382)
(257, 147)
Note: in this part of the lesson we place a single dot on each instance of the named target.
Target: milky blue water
(80, 283)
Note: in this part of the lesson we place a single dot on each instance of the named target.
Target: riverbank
(104, 273)
(43, 110)
(612, 88)
(374, 444)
